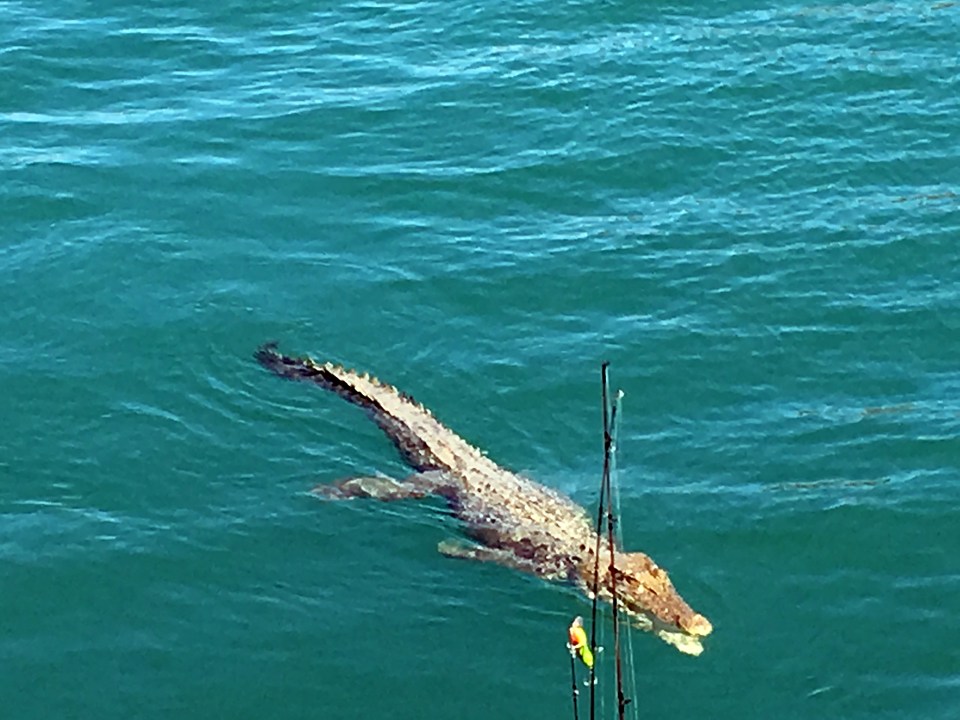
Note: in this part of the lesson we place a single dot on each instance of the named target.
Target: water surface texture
(750, 209)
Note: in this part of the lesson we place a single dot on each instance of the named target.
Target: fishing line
(612, 519)
(615, 500)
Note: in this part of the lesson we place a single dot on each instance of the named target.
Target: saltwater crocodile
(514, 521)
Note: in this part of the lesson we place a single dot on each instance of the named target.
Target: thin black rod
(573, 682)
(596, 552)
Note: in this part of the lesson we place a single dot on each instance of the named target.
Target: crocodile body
(514, 520)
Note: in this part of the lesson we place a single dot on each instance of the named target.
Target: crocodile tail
(400, 416)
(293, 368)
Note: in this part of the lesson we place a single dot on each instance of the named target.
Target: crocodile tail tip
(273, 360)
(293, 368)
(267, 354)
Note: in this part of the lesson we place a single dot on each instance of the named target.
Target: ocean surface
(752, 210)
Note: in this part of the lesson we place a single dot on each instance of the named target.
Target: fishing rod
(578, 644)
(600, 514)
(609, 421)
(605, 510)
(622, 700)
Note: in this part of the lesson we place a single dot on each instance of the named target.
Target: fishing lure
(578, 642)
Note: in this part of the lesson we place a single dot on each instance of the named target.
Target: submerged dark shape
(515, 521)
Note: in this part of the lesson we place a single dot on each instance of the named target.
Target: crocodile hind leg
(460, 550)
(468, 551)
(380, 487)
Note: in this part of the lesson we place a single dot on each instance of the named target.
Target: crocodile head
(644, 590)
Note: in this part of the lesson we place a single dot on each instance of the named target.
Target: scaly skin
(515, 521)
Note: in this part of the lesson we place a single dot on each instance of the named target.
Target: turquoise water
(750, 209)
